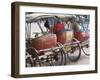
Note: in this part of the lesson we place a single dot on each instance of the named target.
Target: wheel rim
(74, 53)
(34, 59)
(57, 58)
(85, 51)
(29, 62)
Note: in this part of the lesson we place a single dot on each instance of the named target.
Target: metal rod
(40, 27)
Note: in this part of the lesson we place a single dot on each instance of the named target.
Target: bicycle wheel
(29, 61)
(58, 57)
(85, 50)
(75, 52)
(32, 60)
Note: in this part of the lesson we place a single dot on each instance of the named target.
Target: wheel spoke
(75, 52)
(33, 59)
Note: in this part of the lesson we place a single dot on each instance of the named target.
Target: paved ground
(83, 59)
